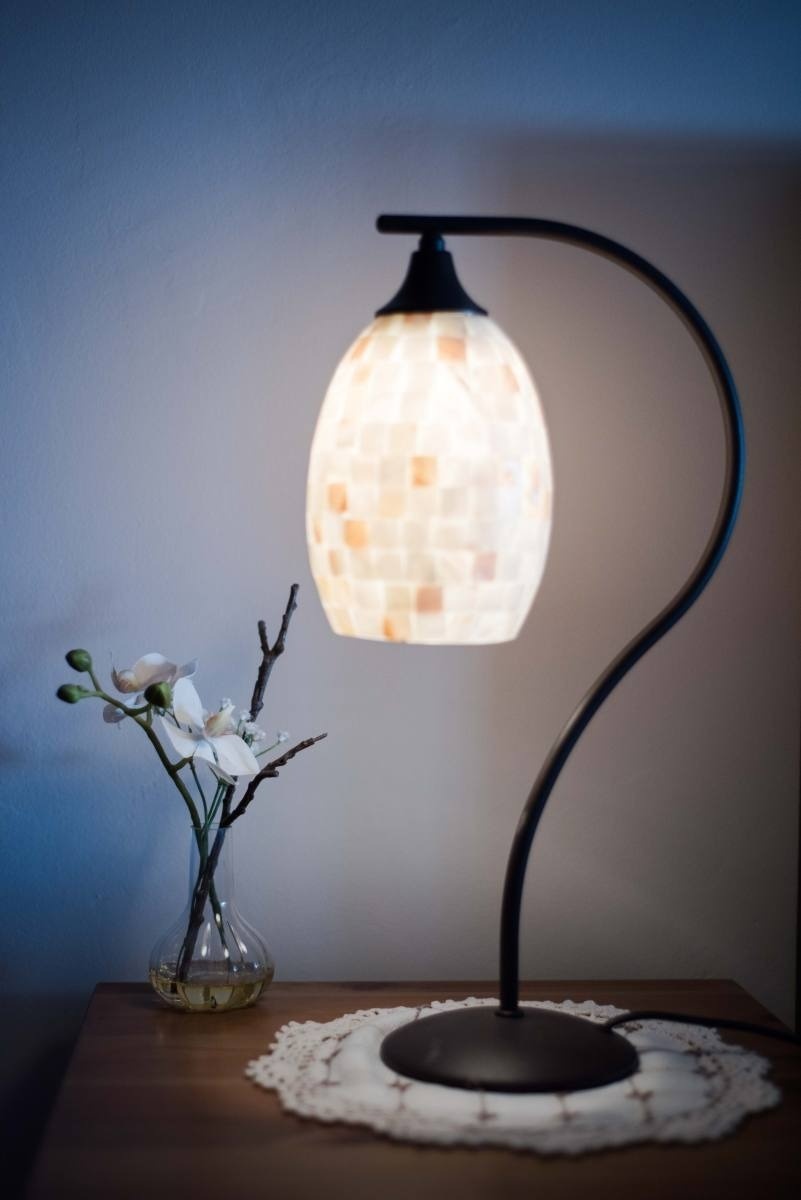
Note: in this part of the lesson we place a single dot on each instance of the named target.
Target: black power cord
(651, 1014)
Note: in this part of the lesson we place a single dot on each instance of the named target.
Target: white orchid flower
(150, 668)
(211, 737)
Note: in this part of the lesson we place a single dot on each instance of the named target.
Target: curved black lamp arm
(684, 598)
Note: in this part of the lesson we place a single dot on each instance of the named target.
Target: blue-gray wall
(186, 247)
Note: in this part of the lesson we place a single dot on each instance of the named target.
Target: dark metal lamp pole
(511, 1048)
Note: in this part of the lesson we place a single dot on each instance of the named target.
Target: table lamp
(428, 521)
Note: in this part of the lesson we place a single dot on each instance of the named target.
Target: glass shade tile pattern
(430, 489)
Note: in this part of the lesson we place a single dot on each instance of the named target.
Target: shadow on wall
(681, 803)
(632, 423)
(35, 1059)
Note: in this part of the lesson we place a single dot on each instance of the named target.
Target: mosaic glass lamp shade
(429, 487)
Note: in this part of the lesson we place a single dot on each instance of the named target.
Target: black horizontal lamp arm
(686, 596)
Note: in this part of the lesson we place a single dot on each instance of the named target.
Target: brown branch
(270, 655)
(269, 772)
(225, 810)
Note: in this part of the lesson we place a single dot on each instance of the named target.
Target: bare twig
(228, 796)
(270, 655)
(270, 771)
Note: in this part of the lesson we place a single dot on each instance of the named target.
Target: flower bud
(159, 694)
(79, 660)
(71, 693)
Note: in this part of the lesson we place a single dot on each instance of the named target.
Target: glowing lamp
(429, 488)
(429, 515)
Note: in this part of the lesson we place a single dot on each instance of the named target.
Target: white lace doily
(691, 1087)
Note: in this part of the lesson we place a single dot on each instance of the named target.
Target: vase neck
(213, 845)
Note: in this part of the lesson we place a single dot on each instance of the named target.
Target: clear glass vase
(210, 959)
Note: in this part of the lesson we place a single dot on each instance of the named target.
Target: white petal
(112, 715)
(209, 753)
(186, 705)
(218, 771)
(234, 755)
(220, 722)
(186, 744)
(153, 668)
(124, 681)
(186, 670)
(206, 753)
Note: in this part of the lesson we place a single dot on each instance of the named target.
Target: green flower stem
(218, 916)
(204, 889)
(202, 836)
(202, 839)
(200, 790)
(269, 748)
(215, 804)
(171, 769)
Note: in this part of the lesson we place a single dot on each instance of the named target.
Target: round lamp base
(535, 1051)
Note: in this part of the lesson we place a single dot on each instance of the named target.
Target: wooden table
(155, 1104)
